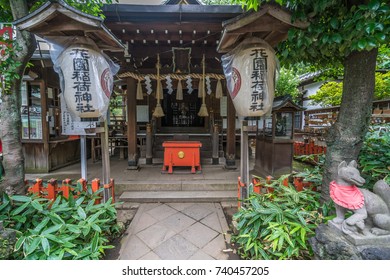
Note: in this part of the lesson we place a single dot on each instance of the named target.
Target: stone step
(176, 185)
(179, 196)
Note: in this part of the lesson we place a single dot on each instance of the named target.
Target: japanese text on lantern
(82, 80)
(259, 70)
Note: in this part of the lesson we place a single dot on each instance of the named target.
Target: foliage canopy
(287, 84)
(330, 93)
(336, 28)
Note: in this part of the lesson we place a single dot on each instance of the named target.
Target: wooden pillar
(45, 123)
(131, 105)
(231, 135)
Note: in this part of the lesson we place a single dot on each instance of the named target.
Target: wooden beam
(45, 124)
(231, 133)
(131, 102)
(151, 50)
(158, 27)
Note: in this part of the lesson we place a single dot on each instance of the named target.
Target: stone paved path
(177, 231)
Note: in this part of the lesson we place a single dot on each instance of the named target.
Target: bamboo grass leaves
(277, 225)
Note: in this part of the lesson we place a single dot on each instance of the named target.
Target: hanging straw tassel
(158, 111)
(159, 88)
(218, 90)
(140, 95)
(203, 109)
(179, 91)
(200, 88)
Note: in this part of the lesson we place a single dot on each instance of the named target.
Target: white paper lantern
(87, 81)
(250, 74)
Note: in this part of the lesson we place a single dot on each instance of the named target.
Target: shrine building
(170, 86)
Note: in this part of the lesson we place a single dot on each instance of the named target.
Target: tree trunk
(10, 121)
(345, 137)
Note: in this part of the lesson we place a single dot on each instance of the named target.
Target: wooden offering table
(181, 153)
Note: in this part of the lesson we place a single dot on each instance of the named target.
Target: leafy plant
(330, 93)
(374, 157)
(66, 229)
(278, 225)
(312, 175)
(287, 84)
(8, 64)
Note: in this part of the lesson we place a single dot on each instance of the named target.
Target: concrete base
(363, 240)
(230, 164)
(330, 243)
(136, 167)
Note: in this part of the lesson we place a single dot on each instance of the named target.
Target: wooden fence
(51, 190)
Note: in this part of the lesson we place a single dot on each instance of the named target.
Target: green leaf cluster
(287, 84)
(312, 175)
(277, 225)
(383, 60)
(336, 28)
(66, 229)
(8, 64)
(91, 7)
(374, 157)
(330, 93)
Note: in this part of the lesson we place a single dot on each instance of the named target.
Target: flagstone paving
(177, 231)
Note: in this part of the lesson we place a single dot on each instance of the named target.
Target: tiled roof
(309, 76)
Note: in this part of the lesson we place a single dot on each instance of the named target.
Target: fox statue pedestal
(330, 243)
(366, 233)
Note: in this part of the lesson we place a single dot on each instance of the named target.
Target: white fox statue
(371, 210)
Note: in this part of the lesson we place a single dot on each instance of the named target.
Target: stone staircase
(179, 191)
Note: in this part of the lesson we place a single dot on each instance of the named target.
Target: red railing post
(239, 186)
(95, 185)
(52, 187)
(37, 187)
(65, 188)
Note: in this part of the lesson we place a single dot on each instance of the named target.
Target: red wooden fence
(52, 189)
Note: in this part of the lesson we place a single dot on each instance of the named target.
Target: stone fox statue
(371, 210)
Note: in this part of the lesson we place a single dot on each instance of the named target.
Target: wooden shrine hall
(177, 46)
(171, 85)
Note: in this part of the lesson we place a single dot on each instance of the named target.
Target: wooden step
(179, 196)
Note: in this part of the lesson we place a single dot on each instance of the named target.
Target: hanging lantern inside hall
(203, 109)
(250, 71)
(158, 111)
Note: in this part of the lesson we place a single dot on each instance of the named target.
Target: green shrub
(312, 175)
(278, 225)
(374, 157)
(66, 229)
